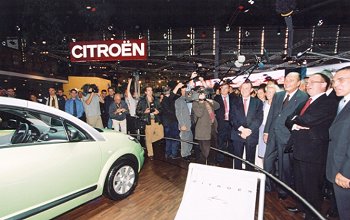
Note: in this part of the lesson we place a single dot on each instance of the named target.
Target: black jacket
(168, 109)
(142, 105)
(311, 145)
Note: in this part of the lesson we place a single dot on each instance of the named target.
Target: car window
(21, 126)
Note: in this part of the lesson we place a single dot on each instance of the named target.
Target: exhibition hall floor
(158, 196)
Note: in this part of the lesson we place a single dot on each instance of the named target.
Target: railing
(285, 186)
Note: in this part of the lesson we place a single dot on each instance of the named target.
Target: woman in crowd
(205, 125)
(270, 90)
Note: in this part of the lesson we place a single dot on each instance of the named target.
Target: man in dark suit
(276, 134)
(53, 100)
(222, 117)
(246, 116)
(309, 126)
(338, 159)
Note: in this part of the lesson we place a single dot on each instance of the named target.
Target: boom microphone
(300, 54)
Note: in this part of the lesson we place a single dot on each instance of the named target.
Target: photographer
(91, 101)
(205, 124)
(118, 112)
(148, 110)
(169, 121)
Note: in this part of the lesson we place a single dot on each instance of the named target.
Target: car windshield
(20, 125)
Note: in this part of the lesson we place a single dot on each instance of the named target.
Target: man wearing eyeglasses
(309, 126)
(338, 160)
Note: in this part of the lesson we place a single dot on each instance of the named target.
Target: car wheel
(121, 179)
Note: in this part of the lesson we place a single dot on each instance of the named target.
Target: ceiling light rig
(228, 28)
(320, 23)
(240, 61)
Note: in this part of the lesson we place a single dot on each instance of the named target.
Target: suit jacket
(338, 158)
(311, 145)
(182, 112)
(252, 121)
(220, 113)
(202, 120)
(60, 100)
(275, 123)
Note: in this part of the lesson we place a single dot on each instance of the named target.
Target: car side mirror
(73, 134)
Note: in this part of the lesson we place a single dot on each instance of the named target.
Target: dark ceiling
(49, 17)
(57, 22)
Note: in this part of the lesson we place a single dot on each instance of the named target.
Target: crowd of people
(299, 132)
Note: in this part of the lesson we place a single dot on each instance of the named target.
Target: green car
(52, 162)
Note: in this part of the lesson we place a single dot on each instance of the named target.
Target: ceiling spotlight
(247, 33)
(74, 40)
(278, 32)
(320, 23)
(188, 35)
(165, 36)
(18, 28)
(251, 2)
(110, 27)
(247, 10)
(88, 7)
(3, 43)
(228, 28)
(44, 42)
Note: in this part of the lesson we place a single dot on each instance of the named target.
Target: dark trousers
(238, 148)
(131, 124)
(275, 151)
(343, 201)
(171, 130)
(224, 140)
(308, 183)
(205, 145)
(105, 118)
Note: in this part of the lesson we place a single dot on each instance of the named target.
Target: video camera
(86, 89)
(194, 95)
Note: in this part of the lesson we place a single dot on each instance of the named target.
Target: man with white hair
(276, 134)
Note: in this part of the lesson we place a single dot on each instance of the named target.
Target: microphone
(300, 54)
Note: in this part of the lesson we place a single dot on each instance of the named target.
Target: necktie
(245, 106)
(307, 104)
(285, 102)
(226, 108)
(53, 102)
(75, 109)
(341, 105)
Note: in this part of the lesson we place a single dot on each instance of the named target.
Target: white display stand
(221, 193)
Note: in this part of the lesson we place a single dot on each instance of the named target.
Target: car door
(39, 173)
